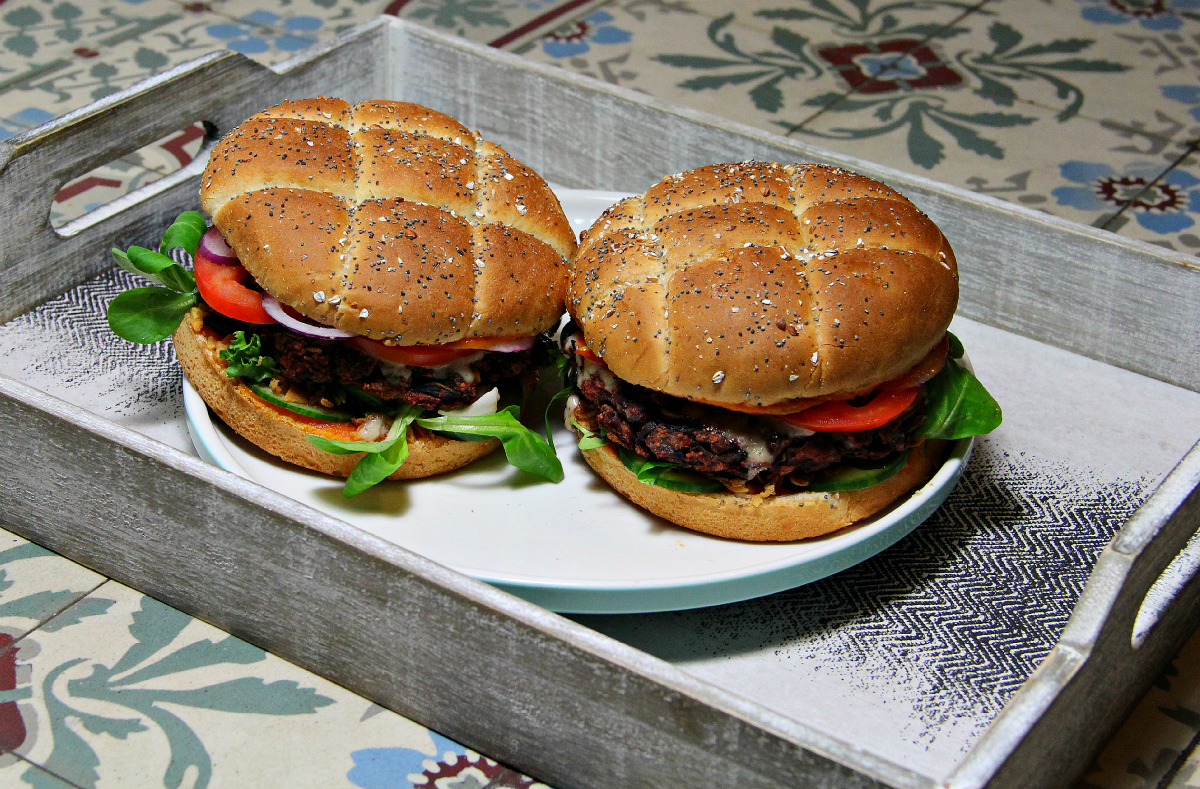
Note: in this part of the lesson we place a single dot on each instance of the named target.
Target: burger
(760, 351)
(372, 297)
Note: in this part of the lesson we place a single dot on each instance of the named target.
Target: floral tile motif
(1163, 210)
(35, 586)
(37, 33)
(669, 51)
(302, 20)
(850, 21)
(146, 695)
(450, 765)
(1123, 64)
(137, 54)
(956, 92)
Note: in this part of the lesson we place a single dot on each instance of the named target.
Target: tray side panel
(445, 650)
(1122, 302)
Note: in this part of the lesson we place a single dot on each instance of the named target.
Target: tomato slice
(412, 355)
(586, 352)
(222, 289)
(839, 416)
(925, 369)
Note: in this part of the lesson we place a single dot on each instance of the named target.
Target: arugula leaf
(148, 315)
(158, 268)
(667, 475)
(382, 458)
(403, 419)
(590, 440)
(559, 395)
(244, 358)
(524, 448)
(958, 406)
(184, 232)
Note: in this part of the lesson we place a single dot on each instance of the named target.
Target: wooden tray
(553, 696)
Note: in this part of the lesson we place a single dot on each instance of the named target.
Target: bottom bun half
(795, 516)
(276, 432)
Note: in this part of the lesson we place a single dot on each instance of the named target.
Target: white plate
(577, 546)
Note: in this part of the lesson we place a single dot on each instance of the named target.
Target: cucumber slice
(667, 475)
(857, 475)
(310, 411)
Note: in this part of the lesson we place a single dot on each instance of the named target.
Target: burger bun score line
(613, 558)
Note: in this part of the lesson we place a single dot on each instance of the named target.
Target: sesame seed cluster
(390, 220)
(761, 287)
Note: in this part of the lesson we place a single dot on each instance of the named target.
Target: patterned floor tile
(1163, 211)
(36, 585)
(97, 188)
(1072, 167)
(16, 772)
(147, 696)
(129, 173)
(314, 20)
(717, 65)
(1061, 55)
(849, 21)
(122, 64)
(35, 33)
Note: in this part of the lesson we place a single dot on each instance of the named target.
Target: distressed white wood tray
(1066, 324)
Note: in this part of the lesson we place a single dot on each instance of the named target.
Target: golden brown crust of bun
(763, 287)
(284, 436)
(390, 220)
(796, 516)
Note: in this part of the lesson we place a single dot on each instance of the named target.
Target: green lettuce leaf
(382, 458)
(524, 448)
(589, 439)
(667, 475)
(244, 358)
(184, 233)
(148, 315)
(958, 405)
(156, 267)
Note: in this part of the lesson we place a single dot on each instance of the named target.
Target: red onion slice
(277, 311)
(213, 246)
(512, 346)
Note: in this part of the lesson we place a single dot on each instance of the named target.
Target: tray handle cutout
(220, 90)
(1142, 579)
(132, 176)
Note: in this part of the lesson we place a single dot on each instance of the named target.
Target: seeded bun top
(390, 220)
(762, 287)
